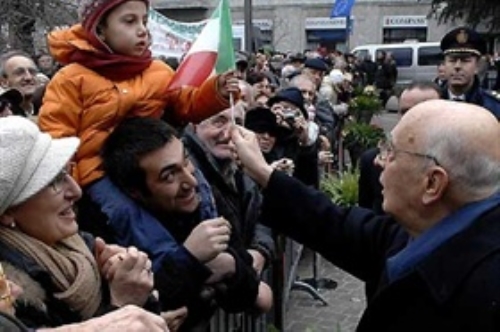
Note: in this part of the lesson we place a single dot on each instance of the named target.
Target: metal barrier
(281, 276)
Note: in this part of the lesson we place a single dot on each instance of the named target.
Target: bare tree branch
(27, 21)
(473, 12)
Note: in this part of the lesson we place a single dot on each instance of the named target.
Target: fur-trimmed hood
(33, 294)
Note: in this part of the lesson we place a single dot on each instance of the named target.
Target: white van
(415, 61)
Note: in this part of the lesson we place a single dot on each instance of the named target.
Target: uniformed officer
(462, 48)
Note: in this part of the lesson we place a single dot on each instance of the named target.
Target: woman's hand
(130, 277)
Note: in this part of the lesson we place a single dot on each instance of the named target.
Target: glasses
(387, 150)
(61, 179)
(5, 294)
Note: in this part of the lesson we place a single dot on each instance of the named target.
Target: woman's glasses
(60, 180)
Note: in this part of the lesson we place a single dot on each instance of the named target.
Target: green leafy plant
(362, 135)
(365, 104)
(342, 188)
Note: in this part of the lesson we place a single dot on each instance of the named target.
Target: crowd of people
(125, 204)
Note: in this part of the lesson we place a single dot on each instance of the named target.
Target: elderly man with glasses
(435, 258)
(369, 188)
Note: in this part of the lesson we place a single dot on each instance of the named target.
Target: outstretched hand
(250, 156)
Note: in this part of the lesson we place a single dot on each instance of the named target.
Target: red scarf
(115, 67)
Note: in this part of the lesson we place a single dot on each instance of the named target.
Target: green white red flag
(211, 53)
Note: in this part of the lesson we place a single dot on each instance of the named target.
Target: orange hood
(62, 43)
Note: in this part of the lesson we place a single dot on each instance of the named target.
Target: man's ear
(436, 183)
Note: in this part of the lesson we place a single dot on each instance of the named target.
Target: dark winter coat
(37, 307)
(455, 288)
(239, 203)
(478, 96)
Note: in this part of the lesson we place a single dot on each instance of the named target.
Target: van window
(361, 54)
(403, 55)
(429, 56)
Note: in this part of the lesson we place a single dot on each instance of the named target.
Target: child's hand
(228, 84)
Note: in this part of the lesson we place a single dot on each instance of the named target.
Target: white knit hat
(29, 159)
(336, 76)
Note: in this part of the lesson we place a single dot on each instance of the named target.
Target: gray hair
(4, 57)
(300, 78)
(472, 172)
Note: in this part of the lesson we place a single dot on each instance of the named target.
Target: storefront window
(332, 38)
(400, 35)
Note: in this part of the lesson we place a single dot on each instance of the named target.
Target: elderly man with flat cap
(462, 48)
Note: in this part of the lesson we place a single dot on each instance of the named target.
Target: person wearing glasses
(369, 187)
(18, 71)
(435, 257)
(67, 276)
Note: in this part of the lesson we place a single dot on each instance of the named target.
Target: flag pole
(231, 103)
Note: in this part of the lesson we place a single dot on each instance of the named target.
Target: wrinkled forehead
(238, 109)
(19, 61)
(409, 131)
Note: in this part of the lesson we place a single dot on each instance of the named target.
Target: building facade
(295, 25)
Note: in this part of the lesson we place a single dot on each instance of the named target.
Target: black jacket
(239, 203)
(455, 288)
(369, 187)
(478, 96)
(37, 306)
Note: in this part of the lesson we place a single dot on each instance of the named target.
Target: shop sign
(325, 23)
(404, 21)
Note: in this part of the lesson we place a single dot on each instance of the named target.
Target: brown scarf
(70, 264)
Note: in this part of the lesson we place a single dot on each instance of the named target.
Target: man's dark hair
(423, 85)
(254, 78)
(127, 144)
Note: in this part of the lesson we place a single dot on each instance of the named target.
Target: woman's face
(266, 141)
(48, 216)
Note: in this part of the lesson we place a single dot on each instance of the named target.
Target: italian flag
(211, 53)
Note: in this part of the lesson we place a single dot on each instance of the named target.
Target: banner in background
(170, 37)
(342, 8)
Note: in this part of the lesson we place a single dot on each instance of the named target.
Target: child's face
(125, 30)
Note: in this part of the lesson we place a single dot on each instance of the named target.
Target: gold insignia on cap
(462, 37)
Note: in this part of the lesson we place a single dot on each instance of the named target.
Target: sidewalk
(345, 303)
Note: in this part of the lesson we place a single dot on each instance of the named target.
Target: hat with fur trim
(30, 159)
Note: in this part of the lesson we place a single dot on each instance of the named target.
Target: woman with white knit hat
(67, 277)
